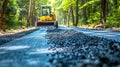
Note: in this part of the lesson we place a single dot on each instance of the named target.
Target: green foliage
(0, 6)
(12, 14)
(66, 4)
(81, 22)
(11, 10)
(117, 14)
(17, 10)
(94, 18)
(112, 23)
(89, 3)
(93, 8)
(24, 22)
(114, 20)
(12, 21)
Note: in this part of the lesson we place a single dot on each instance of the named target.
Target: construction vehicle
(47, 17)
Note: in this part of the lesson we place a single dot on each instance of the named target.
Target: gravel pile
(80, 50)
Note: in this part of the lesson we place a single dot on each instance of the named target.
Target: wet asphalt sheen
(28, 51)
(32, 50)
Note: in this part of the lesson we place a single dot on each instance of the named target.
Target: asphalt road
(28, 51)
(108, 34)
(32, 50)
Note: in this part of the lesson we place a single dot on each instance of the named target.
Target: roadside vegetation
(96, 13)
(15, 14)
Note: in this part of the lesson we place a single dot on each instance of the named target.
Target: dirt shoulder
(99, 27)
(11, 32)
(10, 35)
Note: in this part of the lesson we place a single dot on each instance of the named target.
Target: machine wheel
(56, 24)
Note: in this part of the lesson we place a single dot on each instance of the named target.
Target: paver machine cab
(47, 17)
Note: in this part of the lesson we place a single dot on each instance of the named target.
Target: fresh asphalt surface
(32, 49)
(108, 34)
(28, 51)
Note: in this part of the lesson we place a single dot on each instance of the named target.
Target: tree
(76, 13)
(84, 13)
(73, 20)
(23, 7)
(3, 15)
(29, 13)
(88, 11)
(33, 13)
(68, 18)
(103, 12)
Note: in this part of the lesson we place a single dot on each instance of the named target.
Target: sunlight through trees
(19, 13)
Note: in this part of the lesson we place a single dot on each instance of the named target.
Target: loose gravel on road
(80, 50)
(62, 47)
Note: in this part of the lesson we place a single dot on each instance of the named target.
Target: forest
(16, 14)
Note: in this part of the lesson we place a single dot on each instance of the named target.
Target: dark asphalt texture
(62, 47)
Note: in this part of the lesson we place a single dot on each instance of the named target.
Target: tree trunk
(33, 13)
(65, 18)
(73, 20)
(3, 15)
(88, 11)
(84, 13)
(103, 12)
(20, 19)
(68, 18)
(29, 13)
(76, 13)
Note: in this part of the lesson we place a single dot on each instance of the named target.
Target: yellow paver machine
(47, 17)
